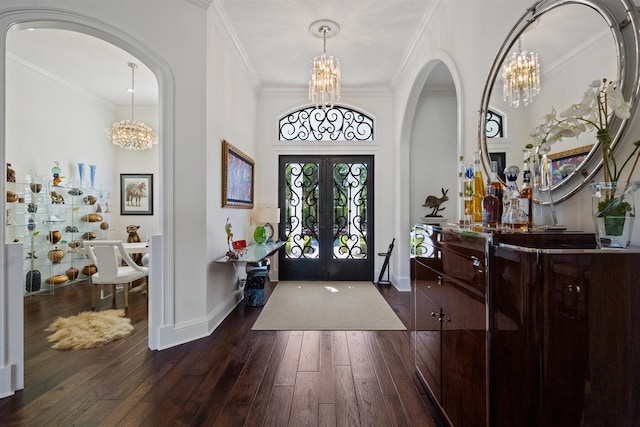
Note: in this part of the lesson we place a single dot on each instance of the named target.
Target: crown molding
(202, 4)
(221, 20)
(427, 16)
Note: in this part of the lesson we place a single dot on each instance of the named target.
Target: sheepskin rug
(89, 329)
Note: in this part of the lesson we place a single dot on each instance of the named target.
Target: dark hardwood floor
(234, 377)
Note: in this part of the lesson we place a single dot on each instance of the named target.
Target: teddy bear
(133, 237)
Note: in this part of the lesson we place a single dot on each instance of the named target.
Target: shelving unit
(56, 218)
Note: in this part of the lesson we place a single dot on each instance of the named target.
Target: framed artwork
(565, 162)
(237, 178)
(136, 194)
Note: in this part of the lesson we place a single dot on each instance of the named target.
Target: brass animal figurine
(434, 203)
(133, 237)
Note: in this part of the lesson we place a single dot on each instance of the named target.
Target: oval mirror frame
(622, 18)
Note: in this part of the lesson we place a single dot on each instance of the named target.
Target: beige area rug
(89, 329)
(329, 306)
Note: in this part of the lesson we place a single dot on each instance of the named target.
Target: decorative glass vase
(544, 213)
(92, 175)
(613, 209)
(80, 174)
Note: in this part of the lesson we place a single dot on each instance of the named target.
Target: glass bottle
(511, 175)
(490, 207)
(498, 190)
(468, 193)
(478, 188)
(514, 218)
(526, 193)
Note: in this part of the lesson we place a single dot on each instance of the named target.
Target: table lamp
(266, 216)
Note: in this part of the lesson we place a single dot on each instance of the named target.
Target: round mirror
(576, 42)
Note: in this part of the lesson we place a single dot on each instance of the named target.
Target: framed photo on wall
(565, 162)
(136, 194)
(237, 178)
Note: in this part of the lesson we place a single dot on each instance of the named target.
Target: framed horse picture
(136, 194)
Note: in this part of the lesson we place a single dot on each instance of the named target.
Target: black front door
(327, 220)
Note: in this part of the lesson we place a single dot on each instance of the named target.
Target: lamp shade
(267, 215)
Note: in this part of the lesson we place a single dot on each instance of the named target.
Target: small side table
(255, 254)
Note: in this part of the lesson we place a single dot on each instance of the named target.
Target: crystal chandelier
(324, 80)
(131, 134)
(521, 77)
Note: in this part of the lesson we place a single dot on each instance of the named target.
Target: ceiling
(272, 37)
(273, 40)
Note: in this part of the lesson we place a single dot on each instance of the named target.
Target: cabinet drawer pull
(574, 288)
(434, 314)
(440, 281)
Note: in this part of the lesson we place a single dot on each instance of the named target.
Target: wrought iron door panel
(327, 217)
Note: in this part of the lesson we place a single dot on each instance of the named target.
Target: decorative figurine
(230, 253)
(56, 171)
(11, 174)
(434, 203)
(134, 237)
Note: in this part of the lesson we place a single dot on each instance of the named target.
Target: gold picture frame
(237, 178)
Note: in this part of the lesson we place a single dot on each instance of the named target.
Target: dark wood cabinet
(527, 329)
(450, 321)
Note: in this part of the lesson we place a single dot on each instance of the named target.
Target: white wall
(231, 115)
(433, 155)
(49, 120)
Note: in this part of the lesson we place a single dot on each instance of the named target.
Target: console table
(254, 253)
(526, 329)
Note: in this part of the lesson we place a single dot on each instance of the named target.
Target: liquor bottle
(490, 207)
(511, 174)
(526, 193)
(478, 188)
(514, 218)
(468, 193)
(498, 190)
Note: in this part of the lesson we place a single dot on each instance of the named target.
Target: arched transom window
(333, 124)
(494, 124)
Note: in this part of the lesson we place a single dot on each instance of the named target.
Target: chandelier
(521, 77)
(131, 134)
(324, 80)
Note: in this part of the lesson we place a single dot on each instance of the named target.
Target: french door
(327, 219)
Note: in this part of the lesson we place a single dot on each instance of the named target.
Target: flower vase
(613, 209)
(92, 175)
(80, 174)
(543, 210)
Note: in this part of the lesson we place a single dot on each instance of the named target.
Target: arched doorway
(424, 155)
(159, 313)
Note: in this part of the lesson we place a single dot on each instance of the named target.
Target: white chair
(106, 255)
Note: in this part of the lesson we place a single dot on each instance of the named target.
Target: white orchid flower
(601, 102)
